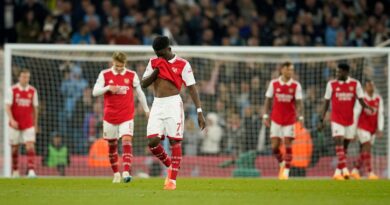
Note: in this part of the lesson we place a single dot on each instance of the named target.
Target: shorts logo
(127, 80)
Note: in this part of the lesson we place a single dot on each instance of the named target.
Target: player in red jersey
(342, 93)
(22, 110)
(286, 94)
(117, 84)
(168, 72)
(369, 125)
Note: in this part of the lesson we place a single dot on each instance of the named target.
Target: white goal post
(264, 59)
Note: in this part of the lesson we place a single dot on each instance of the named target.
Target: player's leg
(111, 133)
(276, 141)
(288, 133)
(338, 133)
(154, 131)
(365, 139)
(28, 136)
(126, 131)
(14, 138)
(355, 173)
(174, 127)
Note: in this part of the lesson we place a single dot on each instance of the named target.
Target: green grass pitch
(203, 191)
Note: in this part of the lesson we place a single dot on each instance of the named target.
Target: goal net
(232, 84)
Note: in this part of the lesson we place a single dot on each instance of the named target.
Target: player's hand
(147, 115)
(201, 121)
(267, 122)
(37, 130)
(379, 134)
(113, 88)
(13, 123)
(372, 110)
(301, 119)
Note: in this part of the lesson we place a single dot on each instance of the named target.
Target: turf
(90, 191)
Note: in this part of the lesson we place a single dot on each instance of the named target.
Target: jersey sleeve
(188, 75)
(9, 97)
(298, 92)
(381, 118)
(136, 82)
(359, 90)
(328, 91)
(270, 90)
(148, 70)
(99, 88)
(35, 99)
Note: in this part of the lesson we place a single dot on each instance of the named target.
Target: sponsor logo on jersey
(122, 90)
(344, 96)
(284, 97)
(127, 81)
(23, 102)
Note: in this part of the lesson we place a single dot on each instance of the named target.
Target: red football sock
(30, 158)
(288, 156)
(341, 157)
(359, 161)
(113, 154)
(176, 159)
(367, 161)
(127, 155)
(15, 162)
(277, 154)
(160, 153)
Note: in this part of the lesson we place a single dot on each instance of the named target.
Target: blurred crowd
(199, 22)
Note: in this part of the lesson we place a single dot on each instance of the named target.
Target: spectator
(212, 136)
(57, 154)
(192, 137)
(83, 36)
(28, 29)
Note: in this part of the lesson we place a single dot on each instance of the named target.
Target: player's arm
(140, 94)
(100, 89)
(189, 80)
(325, 107)
(8, 103)
(357, 110)
(381, 119)
(149, 76)
(360, 96)
(267, 104)
(36, 110)
(299, 103)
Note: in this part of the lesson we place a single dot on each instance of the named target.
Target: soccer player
(343, 93)
(286, 94)
(117, 84)
(369, 125)
(168, 72)
(22, 110)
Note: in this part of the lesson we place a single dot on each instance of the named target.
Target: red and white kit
(167, 114)
(343, 95)
(283, 114)
(369, 122)
(22, 101)
(119, 107)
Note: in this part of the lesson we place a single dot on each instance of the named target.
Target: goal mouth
(232, 82)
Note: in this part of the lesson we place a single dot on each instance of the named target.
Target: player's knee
(127, 138)
(173, 142)
(153, 142)
(366, 146)
(30, 146)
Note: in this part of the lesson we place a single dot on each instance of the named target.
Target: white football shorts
(348, 132)
(282, 131)
(21, 136)
(166, 118)
(111, 131)
(365, 136)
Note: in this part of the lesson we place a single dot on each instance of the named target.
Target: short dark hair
(367, 81)
(286, 64)
(160, 42)
(343, 66)
(24, 70)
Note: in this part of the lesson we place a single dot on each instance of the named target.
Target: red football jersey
(177, 70)
(343, 96)
(368, 120)
(284, 96)
(23, 101)
(119, 107)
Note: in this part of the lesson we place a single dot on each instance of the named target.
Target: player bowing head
(168, 73)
